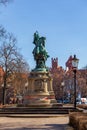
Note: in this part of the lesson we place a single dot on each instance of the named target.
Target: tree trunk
(4, 91)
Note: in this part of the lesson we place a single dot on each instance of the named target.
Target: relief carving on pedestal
(38, 86)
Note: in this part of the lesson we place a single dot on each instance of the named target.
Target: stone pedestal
(39, 92)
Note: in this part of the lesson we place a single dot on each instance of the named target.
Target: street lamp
(62, 84)
(75, 62)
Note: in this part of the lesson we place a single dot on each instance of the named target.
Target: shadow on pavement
(40, 127)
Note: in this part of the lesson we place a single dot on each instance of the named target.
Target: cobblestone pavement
(43, 123)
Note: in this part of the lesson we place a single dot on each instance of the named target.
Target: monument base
(37, 99)
(39, 92)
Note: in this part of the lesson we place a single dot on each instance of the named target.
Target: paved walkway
(59, 122)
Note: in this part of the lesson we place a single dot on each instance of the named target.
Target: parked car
(78, 101)
(84, 100)
(66, 101)
(59, 101)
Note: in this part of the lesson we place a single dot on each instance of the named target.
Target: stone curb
(33, 115)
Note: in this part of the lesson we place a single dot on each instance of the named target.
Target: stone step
(36, 110)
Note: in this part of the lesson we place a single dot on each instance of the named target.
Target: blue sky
(62, 22)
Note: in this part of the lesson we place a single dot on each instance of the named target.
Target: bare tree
(5, 1)
(2, 29)
(20, 75)
(21, 65)
(3, 33)
(10, 60)
(7, 57)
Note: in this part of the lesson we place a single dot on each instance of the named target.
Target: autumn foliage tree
(82, 82)
(67, 91)
(10, 60)
(58, 76)
(20, 76)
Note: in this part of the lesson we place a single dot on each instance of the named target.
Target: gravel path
(51, 123)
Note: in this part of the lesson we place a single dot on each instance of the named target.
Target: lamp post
(75, 62)
(62, 84)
